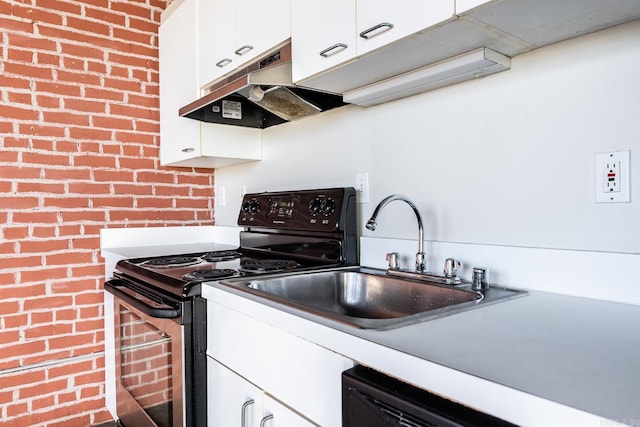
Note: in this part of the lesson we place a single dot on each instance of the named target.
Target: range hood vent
(260, 95)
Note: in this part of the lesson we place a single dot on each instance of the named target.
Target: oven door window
(149, 368)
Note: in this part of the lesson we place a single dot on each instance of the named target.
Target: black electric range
(288, 231)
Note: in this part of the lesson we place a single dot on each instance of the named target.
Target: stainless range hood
(260, 95)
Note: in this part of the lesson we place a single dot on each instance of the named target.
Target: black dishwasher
(371, 399)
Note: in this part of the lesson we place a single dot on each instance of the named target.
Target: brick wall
(78, 152)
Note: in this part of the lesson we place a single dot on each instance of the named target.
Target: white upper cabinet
(183, 141)
(332, 33)
(323, 35)
(216, 38)
(380, 22)
(179, 137)
(232, 33)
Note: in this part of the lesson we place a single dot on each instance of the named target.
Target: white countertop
(542, 359)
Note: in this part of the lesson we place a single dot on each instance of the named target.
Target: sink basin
(367, 298)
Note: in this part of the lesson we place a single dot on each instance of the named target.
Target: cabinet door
(463, 6)
(282, 415)
(179, 137)
(380, 22)
(261, 25)
(232, 400)
(322, 35)
(284, 365)
(216, 39)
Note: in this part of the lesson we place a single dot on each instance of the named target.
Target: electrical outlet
(362, 187)
(613, 172)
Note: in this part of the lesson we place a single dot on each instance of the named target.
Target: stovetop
(284, 232)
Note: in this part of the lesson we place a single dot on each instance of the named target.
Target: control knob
(327, 206)
(315, 206)
(251, 206)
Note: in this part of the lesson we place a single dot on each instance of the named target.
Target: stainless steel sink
(367, 298)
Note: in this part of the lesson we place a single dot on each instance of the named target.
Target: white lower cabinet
(234, 401)
(286, 369)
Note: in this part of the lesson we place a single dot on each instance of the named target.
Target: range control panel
(313, 210)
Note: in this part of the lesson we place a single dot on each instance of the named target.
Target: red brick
(68, 259)
(70, 341)
(85, 26)
(18, 113)
(133, 36)
(41, 73)
(35, 217)
(38, 15)
(40, 276)
(47, 331)
(104, 94)
(41, 187)
(67, 174)
(47, 303)
(106, 16)
(45, 159)
(122, 84)
(39, 129)
(19, 202)
(113, 176)
(43, 58)
(97, 67)
(58, 88)
(20, 98)
(60, 6)
(20, 55)
(147, 126)
(28, 41)
(66, 118)
(83, 216)
(89, 188)
(46, 101)
(73, 64)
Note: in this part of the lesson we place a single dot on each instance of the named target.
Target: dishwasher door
(372, 399)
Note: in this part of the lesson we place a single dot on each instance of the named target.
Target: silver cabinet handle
(331, 50)
(223, 62)
(188, 150)
(385, 26)
(243, 49)
(243, 415)
(263, 422)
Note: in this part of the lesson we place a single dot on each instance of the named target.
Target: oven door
(149, 361)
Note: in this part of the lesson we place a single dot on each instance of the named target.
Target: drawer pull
(332, 50)
(384, 26)
(223, 62)
(243, 415)
(243, 49)
(188, 150)
(263, 422)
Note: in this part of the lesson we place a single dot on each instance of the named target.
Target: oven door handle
(113, 287)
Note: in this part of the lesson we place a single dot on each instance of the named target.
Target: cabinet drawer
(301, 374)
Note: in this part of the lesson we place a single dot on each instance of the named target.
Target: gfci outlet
(613, 177)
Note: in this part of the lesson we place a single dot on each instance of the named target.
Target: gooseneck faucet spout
(371, 225)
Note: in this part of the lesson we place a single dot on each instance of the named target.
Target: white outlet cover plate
(622, 196)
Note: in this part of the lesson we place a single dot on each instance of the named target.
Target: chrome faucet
(371, 225)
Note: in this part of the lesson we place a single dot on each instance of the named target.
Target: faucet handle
(451, 267)
(393, 259)
(479, 280)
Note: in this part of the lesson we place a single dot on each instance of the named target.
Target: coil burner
(212, 274)
(171, 261)
(221, 256)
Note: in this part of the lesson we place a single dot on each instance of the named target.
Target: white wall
(507, 160)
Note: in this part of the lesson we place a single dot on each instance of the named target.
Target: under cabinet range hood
(260, 95)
